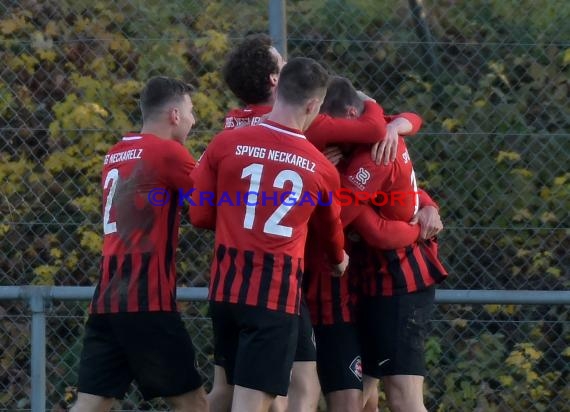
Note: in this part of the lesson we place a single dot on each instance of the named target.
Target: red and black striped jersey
(393, 261)
(265, 182)
(330, 299)
(333, 300)
(138, 272)
(404, 270)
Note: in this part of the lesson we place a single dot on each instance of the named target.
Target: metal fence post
(278, 26)
(424, 33)
(38, 334)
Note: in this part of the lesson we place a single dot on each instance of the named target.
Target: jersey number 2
(272, 225)
(112, 179)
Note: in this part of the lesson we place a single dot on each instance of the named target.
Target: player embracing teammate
(290, 315)
(396, 263)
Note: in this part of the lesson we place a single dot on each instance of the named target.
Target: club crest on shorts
(356, 367)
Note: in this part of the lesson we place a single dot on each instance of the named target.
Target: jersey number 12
(272, 225)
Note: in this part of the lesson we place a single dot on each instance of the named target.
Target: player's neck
(157, 130)
(288, 116)
(268, 102)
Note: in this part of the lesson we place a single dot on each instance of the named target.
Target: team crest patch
(356, 368)
(360, 178)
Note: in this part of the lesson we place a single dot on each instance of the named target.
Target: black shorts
(393, 331)
(338, 357)
(255, 346)
(306, 346)
(152, 348)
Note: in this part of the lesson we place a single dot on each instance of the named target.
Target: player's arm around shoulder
(406, 123)
(403, 124)
(381, 233)
(370, 127)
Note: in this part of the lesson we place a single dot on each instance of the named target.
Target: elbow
(336, 255)
(415, 120)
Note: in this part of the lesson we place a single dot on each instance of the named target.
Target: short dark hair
(341, 94)
(247, 69)
(159, 91)
(301, 79)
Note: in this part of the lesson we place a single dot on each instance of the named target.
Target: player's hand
(338, 270)
(429, 221)
(387, 148)
(363, 96)
(333, 153)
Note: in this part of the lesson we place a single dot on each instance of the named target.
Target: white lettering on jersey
(123, 156)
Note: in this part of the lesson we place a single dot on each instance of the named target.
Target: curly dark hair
(248, 67)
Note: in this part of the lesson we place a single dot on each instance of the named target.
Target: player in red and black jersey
(398, 283)
(256, 276)
(399, 197)
(333, 302)
(134, 331)
(251, 72)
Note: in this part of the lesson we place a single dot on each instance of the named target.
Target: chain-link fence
(480, 357)
(491, 79)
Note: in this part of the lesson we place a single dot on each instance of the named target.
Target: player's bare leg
(304, 389)
(250, 400)
(92, 403)
(279, 404)
(348, 400)
(371, 404)
(194, 401)
(404, 393)
(220, 397)
(370, 394)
